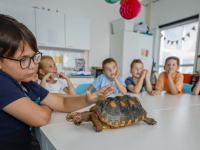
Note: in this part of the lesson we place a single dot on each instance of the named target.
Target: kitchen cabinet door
(77, 32)
(25, 15)
(50, 28)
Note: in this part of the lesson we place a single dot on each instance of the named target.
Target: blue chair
(187, 88)
(82, 88)
(143, 89)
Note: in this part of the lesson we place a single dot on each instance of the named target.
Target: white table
(178, 128)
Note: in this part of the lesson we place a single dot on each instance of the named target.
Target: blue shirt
(129, 81)
(194, 86)
(103, 80)
(14, 134)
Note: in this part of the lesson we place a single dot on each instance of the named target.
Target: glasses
(26, 61)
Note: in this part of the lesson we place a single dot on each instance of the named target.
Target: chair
(143, 89)
(82, 88)
(187, 88)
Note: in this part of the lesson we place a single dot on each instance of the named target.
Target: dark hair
(173, 57)
(108, 60)
(14, 34)
(136, 61)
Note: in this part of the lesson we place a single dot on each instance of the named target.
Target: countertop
(81, 76)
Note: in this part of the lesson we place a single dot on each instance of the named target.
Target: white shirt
(56, 87)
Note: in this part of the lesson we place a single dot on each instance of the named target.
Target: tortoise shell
(119, 111)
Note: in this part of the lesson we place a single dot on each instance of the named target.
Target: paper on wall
(69, 60)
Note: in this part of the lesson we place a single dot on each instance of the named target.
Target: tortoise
(113, 112)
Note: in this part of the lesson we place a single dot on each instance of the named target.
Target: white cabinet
(126, 46)
(25, 15)
(78, 81)
(50, 28)
(77, 32)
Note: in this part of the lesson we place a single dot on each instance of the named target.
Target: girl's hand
(61, 75)
(100, 94)
(49, 76)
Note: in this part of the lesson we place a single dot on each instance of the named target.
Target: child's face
(172, 65)
(49, 66)
(35, 77)
(14, 69)
(110, 70)
(136, 70)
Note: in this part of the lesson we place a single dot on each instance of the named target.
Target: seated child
(139, 79)
(47, 72)
(171, 80)
(196, 88)
(110, 74)
(24, 103)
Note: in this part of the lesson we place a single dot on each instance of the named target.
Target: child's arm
(29, 112)
(155, 92)
(172, 85)
(90, 88)
(121, 87)
(137, 88)
(159, 85)
(70, 89)
(196, 89)
(76, 102)
(148, 86)
(48, 76)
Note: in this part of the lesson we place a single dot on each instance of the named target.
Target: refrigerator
(125, 46)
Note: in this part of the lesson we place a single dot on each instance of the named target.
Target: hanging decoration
(177, 41)
(129, 8)
(193, 28)
(112, 1)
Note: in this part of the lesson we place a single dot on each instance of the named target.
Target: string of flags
(177, 41)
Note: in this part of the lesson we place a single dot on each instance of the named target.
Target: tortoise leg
(96, 122)
(150, 121)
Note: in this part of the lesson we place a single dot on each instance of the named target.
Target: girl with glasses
(24, 103)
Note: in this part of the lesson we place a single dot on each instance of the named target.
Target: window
(179, 41)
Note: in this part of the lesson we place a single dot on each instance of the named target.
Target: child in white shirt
(49, 77)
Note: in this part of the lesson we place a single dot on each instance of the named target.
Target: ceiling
(146, 2)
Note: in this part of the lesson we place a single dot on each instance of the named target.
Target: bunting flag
(177, 41)
(194, 28)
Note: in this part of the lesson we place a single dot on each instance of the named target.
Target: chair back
(82, 88)
(187, 88)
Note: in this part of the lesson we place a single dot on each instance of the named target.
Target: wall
(166, 11)
(100, 14)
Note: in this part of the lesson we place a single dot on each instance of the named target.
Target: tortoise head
(73, 117)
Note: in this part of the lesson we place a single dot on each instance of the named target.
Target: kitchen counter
(81, 76)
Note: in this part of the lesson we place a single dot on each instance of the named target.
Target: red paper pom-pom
(130, 9)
